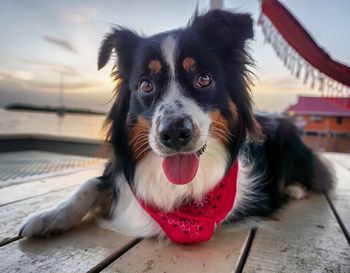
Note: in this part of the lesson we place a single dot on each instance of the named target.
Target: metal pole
(60, 111)
(216, 4)
(61, 102)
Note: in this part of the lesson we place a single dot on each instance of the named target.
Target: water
(69, 125)
(89, 127)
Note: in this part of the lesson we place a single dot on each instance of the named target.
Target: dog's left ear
(232, 28)
(121, 41)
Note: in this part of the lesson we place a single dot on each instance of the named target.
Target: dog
(189, 153)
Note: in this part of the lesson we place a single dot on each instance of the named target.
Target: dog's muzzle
(176, 133)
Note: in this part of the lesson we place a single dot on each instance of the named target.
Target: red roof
(322, 106)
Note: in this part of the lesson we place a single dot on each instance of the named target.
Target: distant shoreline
(50, 109)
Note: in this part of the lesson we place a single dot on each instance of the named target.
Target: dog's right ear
(123, 42)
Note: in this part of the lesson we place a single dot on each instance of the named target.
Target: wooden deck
(311, 235)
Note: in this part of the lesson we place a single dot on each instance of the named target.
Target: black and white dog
(189, 153)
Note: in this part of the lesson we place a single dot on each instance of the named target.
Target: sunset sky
(41, 40)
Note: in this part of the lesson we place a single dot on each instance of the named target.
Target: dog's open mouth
(180, 169)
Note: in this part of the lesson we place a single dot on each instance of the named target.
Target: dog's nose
(176, 133)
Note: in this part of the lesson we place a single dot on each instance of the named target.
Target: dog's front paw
(45, 223)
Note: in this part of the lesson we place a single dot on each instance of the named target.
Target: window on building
(339, 120)
(316, 119)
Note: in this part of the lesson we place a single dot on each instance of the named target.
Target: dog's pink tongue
(180, 169)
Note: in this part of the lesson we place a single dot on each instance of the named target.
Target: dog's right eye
(204, 80)
(146, 86)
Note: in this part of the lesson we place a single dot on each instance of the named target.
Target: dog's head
(181, 93)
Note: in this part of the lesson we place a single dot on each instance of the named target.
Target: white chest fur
(130, 219)
(153, 186)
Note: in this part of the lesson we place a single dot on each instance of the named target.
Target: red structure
(322, 115)
(300, 53)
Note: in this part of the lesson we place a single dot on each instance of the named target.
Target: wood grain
(76, 251)
(340, 196)
(220, 254)
(12, 215)
(341, 158)
(307, 238)
(18, 192)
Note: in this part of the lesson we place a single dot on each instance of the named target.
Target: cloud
(19, 78)
(86, 92)
(64, 44)
(78, 86)
(283, 85)
(15, 75)
(14, 93)
(286, 82)
(51, 66)
(80, 15)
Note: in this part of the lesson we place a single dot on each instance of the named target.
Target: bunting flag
(300, 53)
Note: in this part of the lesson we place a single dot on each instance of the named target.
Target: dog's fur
(274, 162)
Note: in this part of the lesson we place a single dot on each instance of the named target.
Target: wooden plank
(220, 254)
(307, 238)
(340, 201)
(22, 191)
(76, 251)
(12, 215)
(341, 158)
(342, 173)
(340, 196)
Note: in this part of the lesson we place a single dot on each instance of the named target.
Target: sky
(42, 41)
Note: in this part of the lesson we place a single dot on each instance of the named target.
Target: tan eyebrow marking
(155, 66)
(189, 64)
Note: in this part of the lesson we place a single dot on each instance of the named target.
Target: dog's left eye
(146, 86)
(204, 80)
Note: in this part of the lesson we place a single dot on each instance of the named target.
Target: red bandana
(195, 221)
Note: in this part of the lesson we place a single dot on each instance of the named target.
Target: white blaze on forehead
(173, 93)
(168, 48)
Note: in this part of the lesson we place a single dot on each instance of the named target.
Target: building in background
(322, 115)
